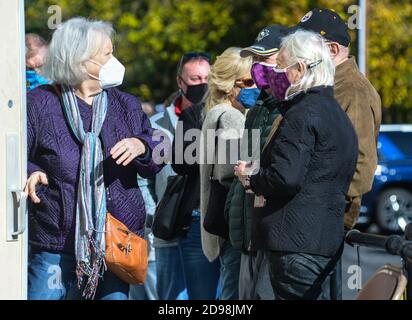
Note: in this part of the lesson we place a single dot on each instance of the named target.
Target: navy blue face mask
(248, 97)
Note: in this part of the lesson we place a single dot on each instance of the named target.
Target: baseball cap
(268, 41)
(328, 24)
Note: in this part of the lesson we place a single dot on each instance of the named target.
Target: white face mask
(111, 73)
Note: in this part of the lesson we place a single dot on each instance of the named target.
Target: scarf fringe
(91, 273)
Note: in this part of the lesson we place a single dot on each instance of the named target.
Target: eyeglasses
(314, 64)
(244, 83)
(261, 59)
(188, 56)
(194, 55)
(309, 65)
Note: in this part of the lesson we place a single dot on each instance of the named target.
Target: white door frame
(13, 154)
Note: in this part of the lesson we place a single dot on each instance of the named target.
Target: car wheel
(394, 210)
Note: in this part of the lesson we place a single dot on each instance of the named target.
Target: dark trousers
(298, 276)
(336, 278)
(336, 282)
(254, 280)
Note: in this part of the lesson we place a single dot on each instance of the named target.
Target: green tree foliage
(152, 35)
(390, 56)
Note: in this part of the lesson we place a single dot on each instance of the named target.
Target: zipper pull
(109, 197)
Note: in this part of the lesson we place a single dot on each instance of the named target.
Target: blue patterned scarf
(91, 196)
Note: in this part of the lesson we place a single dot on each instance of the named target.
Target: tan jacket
(362, 104)
(232, 122)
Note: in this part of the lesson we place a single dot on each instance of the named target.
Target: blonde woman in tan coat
(229, 82)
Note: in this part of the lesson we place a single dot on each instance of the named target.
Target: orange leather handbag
(126, 252)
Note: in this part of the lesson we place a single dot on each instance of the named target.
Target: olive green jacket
(239, 204)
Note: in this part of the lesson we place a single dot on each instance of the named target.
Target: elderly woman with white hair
(304, 174)
(87, 142)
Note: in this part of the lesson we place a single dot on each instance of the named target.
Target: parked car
(389, 203)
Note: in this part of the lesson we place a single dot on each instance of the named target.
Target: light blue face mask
(248, 97)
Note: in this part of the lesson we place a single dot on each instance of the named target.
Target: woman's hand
(241, 171)
(30, 188)
(244, 169)
(127, 150)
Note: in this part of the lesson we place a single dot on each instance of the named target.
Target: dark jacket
(305, 175)
(191, 118)
(53, 149)
(239, 204)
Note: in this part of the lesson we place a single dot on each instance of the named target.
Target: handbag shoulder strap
(216, 140)
(58, 92)
(275, 126)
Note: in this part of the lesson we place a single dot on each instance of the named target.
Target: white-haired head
(308, 55)
(72, 44)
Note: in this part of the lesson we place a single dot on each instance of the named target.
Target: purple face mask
(279, 83)
(259, 73)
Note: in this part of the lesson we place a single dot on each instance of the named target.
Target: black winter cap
(328, 24)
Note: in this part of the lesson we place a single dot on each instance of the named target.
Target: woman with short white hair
(87, 141)
(304, 62)
(304, 173)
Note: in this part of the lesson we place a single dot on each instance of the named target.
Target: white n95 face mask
(111, 73)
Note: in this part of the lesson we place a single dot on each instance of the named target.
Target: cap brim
(249, 51)
(288, 31)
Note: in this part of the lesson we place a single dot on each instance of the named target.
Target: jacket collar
(271, 103)
(285, 105)
(171, 113)
(345, 69)
(267, 101)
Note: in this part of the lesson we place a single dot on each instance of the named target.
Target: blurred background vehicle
(388, 206)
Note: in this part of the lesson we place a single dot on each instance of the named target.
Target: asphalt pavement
(370, 261)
